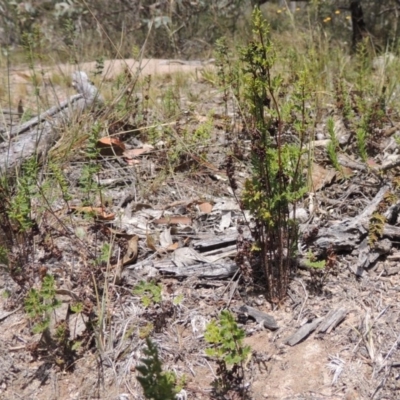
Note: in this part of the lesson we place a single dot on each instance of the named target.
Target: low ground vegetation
(110, 286)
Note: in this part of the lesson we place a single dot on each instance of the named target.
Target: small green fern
(156, 384)
(313, 263)
(226, 340)
(150, 292)
(40, 303)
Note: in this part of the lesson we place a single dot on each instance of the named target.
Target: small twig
(305, 300)
(386, 167)
(44, 116)
(212, 371)
(387, 10)
(389, 354)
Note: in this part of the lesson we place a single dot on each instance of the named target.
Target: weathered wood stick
(36, 136)
(303, 332)
(332, 320)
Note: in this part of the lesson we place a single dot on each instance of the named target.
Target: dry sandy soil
(355, 361)
(113, 68)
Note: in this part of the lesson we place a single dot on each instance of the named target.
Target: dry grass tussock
(132, 225)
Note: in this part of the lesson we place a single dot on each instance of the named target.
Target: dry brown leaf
(205, 207)
(110, 146)
(173, 220)
(130, 257)
(151, 244)
(132, 153)
(321, 177)
(173, 246)
(132, 162)
(106, 217)
(132, 253)
(345, 172)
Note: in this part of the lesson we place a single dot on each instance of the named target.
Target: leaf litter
(184, 236)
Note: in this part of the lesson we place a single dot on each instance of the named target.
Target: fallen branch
(36, 136)
(347, 234)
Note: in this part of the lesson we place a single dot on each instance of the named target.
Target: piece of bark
(35, 137)
(332, 320)
(261, 317)
(391, 271)
(369, 255)
(348, 162)
(215, 242)
(391, 231)
(219, 270)
(18, 130)
(206, 271)
(5, 314)
(363, 257)
(303, 332)
(153, 264)
(347, 234)
(220, 251)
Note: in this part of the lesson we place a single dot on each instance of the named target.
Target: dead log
(347, 234)
(303, 332)
(218, 270)
(35, 137)
(391, 231)
(359, 26)
(332, 320)
(206, 271)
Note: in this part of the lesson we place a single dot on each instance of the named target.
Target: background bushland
(183, 28)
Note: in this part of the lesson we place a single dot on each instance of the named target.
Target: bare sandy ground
(113, 68)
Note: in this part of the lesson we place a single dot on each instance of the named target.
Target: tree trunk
(359, 27)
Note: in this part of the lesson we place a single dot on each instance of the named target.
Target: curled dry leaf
(130, 257)
(110, 146)
(166, 238)
(132, 153)
(321, 177)
(151, 244)
(173, 246)
(132, 253)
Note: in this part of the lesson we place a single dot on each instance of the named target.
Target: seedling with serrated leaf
(312, 262)
(40, 303)
(150, 292)
(156, 384)
(226, 346)
(226, 339)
